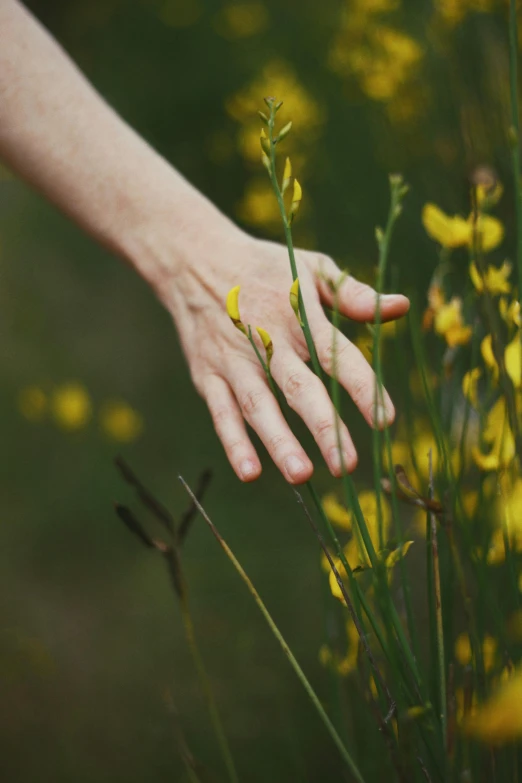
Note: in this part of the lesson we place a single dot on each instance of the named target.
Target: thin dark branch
(131, 523)
(146, 497)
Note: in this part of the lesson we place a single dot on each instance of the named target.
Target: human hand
(227, 373)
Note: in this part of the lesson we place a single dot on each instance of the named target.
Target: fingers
(307, 396)
(261, 410)
(231, 430)
(343, 359)
(357, 300)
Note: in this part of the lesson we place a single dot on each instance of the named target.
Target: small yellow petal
(499, 719)
(233, 308)
(397, 554)
(486, 349)
(336, 513)
(71, 406)
(489, 232)
(287, 175)
(296, 198)
(513, 360)
(267, 343)
(469, 385)
(448, 231)
(476, 279)
(294, 299)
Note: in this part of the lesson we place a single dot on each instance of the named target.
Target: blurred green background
(90, 637)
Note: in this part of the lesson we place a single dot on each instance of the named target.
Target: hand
(227, 373)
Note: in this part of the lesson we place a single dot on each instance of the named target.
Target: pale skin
(58, 134)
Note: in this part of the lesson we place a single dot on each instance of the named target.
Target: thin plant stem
(278, 635)
(290, 244)
(437, 598)
(514, 131)
(206, 685)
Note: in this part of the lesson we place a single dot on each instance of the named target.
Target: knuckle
(332, 353)
(361, 389)
(251, 401)
(323, 427)
(276, 442)
(221, 416)
(296, 384)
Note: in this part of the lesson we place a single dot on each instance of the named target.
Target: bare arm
(60, 135)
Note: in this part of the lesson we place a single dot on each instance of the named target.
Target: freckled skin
(59, 134)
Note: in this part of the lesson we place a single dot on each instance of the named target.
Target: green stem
(278, 635)
(206, 687)
(290, 245)
(515, 128)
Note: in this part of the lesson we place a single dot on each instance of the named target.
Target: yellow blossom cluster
(70, 407)
(383, 59)
(453, 12)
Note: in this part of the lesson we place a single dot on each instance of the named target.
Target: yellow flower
(469, 385)
(296, 198)
(287, 175)
(489, 232)
(233, 308)
(495, 279)
(337, 513)
(513, 360)
(267, 343)
(259, 205)
(71, 406)
(32, 403)
(447, 231)
(455, 231)
(121, 422)
(464, 655)
(499, 720)
(498, 435)
(486, 349)
(510, 312)
(449, 323)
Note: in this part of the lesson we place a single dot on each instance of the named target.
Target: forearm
(59, 135)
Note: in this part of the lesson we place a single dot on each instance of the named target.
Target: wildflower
(510, 313)
(451, 232)
(499, 719)
(287, 175)
(121, 422)
(294, 299)
(469, 385)
(32, 403)
(447, 231)
(513, 360)
(449, 323)
(296, 199)
(486, 349)
(497, 434)
(464, 654)
(267, 343)
(233, 308)
(495, 279)
(71, 406)
(337, 513)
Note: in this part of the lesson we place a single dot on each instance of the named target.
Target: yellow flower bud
(296, 199)
(287, 175)
(265, 142)
(233, 308)
(267, 342)
(294, 299)
(265, 160)
(284, 132)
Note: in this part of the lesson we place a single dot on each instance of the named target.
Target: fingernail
(338, 462)
(247, 469)
(383, 416)
(294, 466)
